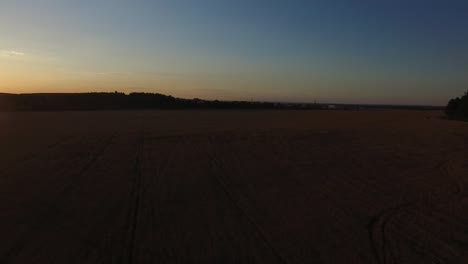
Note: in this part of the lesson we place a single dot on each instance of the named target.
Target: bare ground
(233, 187)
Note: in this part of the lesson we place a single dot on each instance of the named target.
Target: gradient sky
(360, 51)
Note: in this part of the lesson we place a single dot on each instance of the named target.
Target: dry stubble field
(233, 187)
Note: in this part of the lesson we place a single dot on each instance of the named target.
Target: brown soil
(233, 187)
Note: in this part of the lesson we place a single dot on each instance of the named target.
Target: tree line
(122, 101)
(140, 101)
(457, 108)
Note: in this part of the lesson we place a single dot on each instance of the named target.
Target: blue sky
(402, 52)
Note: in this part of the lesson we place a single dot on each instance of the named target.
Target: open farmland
(233, 187)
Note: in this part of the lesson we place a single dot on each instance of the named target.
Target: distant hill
(114, 101)
(121, 101)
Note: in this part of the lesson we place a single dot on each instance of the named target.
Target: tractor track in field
(379, 224)
(35, 155)
(446, 169)
(377, 230)
(221, 181)
(133, 212)
(377, 188)
(146, 202)
(49, 212)
(131, 221)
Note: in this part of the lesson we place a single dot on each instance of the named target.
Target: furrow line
(16, 247)
(222, 183)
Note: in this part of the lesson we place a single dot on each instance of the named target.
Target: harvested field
(233, 187)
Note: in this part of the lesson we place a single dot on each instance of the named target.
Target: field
(233, 187)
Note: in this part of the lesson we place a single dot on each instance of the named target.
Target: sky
(340, 51)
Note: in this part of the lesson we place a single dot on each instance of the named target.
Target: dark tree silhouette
(452, 107)
(116, 100)
(457, 108)
(122, 101)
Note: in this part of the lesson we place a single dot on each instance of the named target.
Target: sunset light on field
(233, 131)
